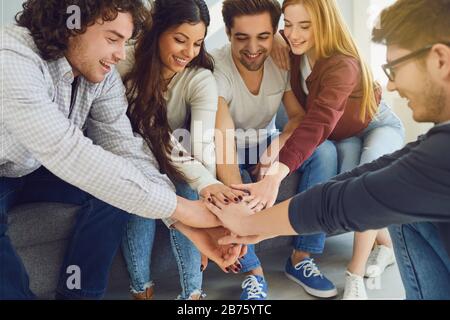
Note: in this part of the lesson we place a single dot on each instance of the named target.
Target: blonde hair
(332, 36)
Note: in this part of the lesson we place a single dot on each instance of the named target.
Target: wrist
(181, 211)
(277, 172)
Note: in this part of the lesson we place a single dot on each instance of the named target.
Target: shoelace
(253, 287)
(310, 268)
(352, 287)
(373, 258)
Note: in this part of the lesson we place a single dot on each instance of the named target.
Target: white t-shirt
(193, 93)
(250, 111)
(306, 71)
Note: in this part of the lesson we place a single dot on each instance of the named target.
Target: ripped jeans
(137, 245)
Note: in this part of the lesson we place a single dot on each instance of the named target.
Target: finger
(222, 198)
(271, 203)
(207, 196)
(204, 263)
(259, 207)
(252, 204)
(240, 194)
(214, 209)
(232, 197)
(219, 204)
(234, 267)
(244, 251)
(238, 239)
(248, 198)
(281, 58)
(242, 187)
(232, 256)
(277, 59)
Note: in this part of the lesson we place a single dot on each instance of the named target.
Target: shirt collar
(61, 70)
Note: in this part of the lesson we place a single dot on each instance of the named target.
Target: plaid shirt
(89, 144)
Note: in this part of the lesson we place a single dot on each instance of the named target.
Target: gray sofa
(40, 232)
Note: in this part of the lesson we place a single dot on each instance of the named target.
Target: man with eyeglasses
(408, 190)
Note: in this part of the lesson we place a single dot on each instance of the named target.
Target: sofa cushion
(38, 223)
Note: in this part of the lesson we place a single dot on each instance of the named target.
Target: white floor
(221, 286)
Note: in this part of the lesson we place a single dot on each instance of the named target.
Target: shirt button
(68, 77)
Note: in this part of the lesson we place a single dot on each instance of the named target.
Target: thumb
(204, 262)
(238, 239)
(205, 194)
(242, 187)
(216, 211)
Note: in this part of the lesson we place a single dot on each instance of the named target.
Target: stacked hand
(233, 218)
(206, 231)
(262, 194)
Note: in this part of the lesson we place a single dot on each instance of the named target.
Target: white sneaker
(354, 287)
(380, 258)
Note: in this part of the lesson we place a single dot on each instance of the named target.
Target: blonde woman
(343, 104)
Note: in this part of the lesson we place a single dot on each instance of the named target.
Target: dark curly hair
(148, 108)
(47, 20)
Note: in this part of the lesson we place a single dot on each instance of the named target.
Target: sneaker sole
(314, 292)
(391, 263)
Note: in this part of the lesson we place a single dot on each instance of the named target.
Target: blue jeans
(137, 245)
(320, 167)
(422, 260)
(95, 238)
(384, 134)
(250, 261)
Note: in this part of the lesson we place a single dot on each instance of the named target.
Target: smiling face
(179, 45)
(298, 29)
(251, 40)
(426, 97)
(93, 53)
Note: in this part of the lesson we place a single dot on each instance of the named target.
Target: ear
(229, 34)
(440, 62)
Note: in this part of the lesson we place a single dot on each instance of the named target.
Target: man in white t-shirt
(251, 89)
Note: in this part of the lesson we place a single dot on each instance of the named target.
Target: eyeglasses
(389, 67)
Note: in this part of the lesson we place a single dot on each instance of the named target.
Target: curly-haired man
(66, 138)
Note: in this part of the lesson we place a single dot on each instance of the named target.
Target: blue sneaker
(307, 274)
(254, 288)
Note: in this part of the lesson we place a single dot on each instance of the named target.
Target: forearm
(278, 143)
(276, 173)
(229, 174)
(272, 151)
(270, 223)
(194, 214)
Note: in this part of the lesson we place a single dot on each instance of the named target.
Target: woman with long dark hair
(170, 86)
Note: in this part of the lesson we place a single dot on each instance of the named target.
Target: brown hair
(237, 8)
(47, 20)
(412, 24)
(145, 83)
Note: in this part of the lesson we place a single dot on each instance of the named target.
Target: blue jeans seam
(180, 263)
(131, 250)
(407, 261)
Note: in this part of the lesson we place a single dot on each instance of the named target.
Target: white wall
(216, 33)
(8, 10)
